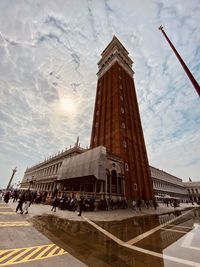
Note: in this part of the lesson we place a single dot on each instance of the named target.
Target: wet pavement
(123, 238)
(22, 245)
(171, 239)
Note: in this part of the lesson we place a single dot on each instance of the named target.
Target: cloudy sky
(49, 52)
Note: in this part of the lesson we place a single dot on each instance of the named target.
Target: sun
(68, 105)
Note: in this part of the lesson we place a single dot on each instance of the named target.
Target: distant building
(167, 186)
(193, 190)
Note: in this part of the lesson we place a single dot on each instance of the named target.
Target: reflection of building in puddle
(173, 231)
(196, 213)
(166, 217)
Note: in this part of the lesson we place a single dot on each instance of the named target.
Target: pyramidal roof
(115, 42)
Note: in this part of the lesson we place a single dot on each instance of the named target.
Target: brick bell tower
(116, 121)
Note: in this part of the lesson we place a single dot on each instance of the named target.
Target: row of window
(48, 170)
(193, 190)
(44, 187)
(160, 173)
(158, 184)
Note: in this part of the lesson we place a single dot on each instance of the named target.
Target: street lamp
(31, 182)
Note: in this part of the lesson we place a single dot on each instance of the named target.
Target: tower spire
(189, 74)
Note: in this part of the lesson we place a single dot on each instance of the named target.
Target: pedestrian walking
(7, 197)
(28, 201)
(134, 204)
(21, 202)
(81, 204)
(155, 204)
(138, 204)
(55, 203)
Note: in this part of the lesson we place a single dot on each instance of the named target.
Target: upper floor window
(135, 187)
(126, 167)
(124, 144)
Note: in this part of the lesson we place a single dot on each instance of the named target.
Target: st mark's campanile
(116, 122)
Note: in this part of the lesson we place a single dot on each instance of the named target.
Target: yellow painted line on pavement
(61, 251)
(53, 251)
(7, 212)
(39, 256)
(31, 254)
(4, 207)
(14, 224)
(8, 255)
(14, 259)
(27, 254)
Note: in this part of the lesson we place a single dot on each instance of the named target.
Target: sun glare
(68, 105)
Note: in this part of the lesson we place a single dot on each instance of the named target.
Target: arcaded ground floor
(113, 187)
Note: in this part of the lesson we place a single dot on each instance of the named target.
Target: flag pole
(189, 74)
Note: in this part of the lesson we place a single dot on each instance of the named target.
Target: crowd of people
(24, 198)
(71, 203)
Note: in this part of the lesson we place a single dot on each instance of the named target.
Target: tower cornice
(115, 52)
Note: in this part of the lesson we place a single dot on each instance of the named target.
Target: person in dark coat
(55, 203)
(44, 196)
(81, 204)
(7, 197)
(22, 199)
(155, 204)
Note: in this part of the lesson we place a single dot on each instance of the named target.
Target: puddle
(92, 247)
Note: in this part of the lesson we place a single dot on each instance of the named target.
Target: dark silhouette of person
(81, 204)
(55, 203)
(7, 197)
(21, 202)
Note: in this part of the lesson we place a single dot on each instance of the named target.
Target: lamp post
(31, 182)
(189, 74)
(11, 178)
